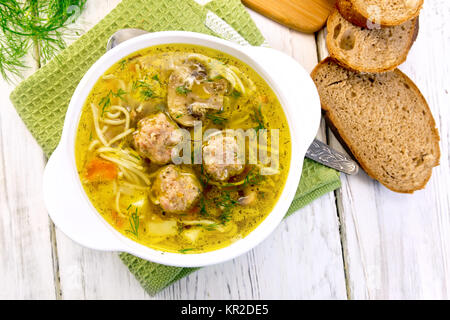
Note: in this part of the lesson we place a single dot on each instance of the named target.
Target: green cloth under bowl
(43, 98)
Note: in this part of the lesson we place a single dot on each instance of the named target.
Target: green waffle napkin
(42, 99)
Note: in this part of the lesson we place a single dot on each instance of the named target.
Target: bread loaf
(383, 120)
(370, 13)
(376, 50)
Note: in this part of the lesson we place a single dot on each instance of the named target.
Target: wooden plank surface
(26, 260)
(305, 16)
(398, 246)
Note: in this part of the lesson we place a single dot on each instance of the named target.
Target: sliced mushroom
(249, 198)
(191, 95)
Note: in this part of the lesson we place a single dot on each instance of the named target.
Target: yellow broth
(218, 218)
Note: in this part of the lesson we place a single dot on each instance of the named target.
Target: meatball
(175, 190)
(220, 157)
(156, 136)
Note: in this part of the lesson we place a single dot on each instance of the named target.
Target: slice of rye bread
(376, 50)
(384, 122)
(369, 13)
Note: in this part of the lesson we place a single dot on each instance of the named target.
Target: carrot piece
(117, 219)
(98, 170)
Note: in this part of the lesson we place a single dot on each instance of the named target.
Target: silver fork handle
(322, 153)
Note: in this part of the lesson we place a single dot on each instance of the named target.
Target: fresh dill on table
(37, 26)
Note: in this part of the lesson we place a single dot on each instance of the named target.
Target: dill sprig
(37, 24)
(216, 117)
(226, 204)
(134, 222)
(146, 91)
(236, 94)
(182, 90)
(203, 211)
(105, 102)
(209, 227)
(259, 119)
(253, 177)
(185, 250)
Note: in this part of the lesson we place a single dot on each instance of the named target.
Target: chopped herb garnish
(139, 84)
(204, 179)
(185, 250)
(135, 156)
(225, 216)
(105, 102)
(235, 94)
(119, 93)
(147, 94)
(226, 203)
(156, 78)
(180, 227)
(134, 223)
(218, 77)
(253, 177)
(208, 227)
(216, 118)
(203, 211)
(259, 119)
(182, 90)
(123, 64)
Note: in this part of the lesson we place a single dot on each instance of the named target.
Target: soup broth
(128, 130)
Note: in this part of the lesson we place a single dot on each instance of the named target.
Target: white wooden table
(360, 242)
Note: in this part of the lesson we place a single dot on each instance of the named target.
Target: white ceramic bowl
(69, 206)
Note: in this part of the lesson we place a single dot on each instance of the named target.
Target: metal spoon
(317, 151)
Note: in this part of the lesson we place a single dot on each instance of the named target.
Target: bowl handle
(296, 85)
(70, 213)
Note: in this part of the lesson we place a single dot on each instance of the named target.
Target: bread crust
(346, 143)
(347, 10)
(334, 54)
(355, 15)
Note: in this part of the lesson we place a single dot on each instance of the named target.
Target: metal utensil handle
(322, 153)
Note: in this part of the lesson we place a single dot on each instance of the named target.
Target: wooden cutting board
(302, 15)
